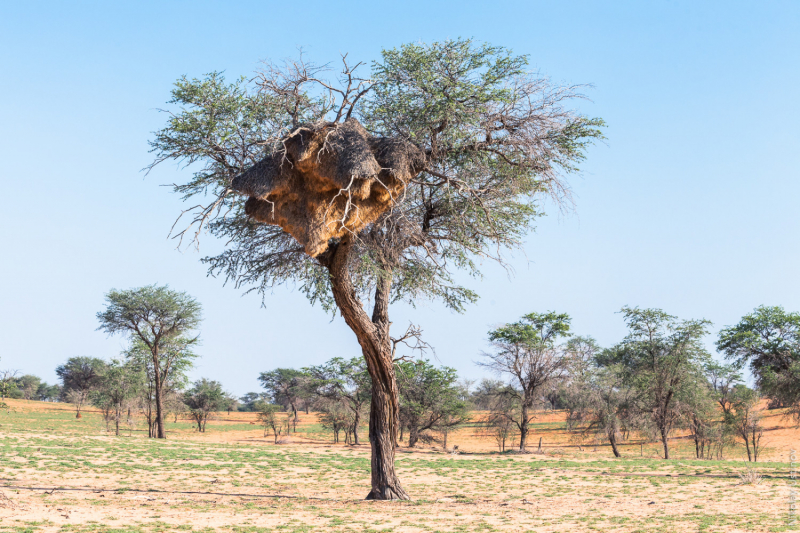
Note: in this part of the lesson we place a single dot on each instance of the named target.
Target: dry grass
(62, 474)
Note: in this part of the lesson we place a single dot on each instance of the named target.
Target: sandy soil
(62, 474)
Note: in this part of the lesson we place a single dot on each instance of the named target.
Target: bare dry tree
(374, 188)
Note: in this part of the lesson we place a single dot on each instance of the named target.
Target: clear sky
(690, 205)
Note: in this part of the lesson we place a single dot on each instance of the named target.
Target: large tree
(374, 189)
(769, 340)
(158, 320)
(528, 354)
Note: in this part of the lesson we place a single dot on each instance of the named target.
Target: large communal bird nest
(328, 180)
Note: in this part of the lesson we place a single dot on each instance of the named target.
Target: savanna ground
(62, 474)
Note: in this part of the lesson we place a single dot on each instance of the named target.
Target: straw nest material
(331, 179)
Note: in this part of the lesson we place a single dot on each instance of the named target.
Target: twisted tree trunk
(373, 336)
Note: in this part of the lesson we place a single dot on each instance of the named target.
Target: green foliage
(430, 398)
(269, 418)
(343, 389)
(534, 330)
(119, 382)
(527, 352)
(662, 360)
(342, 379)
(769, 340)
(599, 403)
(286, 386)
(204, 398)
(175, 357)
(496, 137)
(249, 402)
(150, 313)
(80, 373)
(157, 320)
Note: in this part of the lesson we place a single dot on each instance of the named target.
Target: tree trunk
(413, 436)
(373, 336)
(664, 442)
(356, 422)
(747, 445)
(523, 428)
(613, 440)
(160, 433)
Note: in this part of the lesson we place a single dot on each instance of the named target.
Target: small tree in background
(722, 379)
(8, 385)
(333, 415)
(204, 398)
(344, 382)
(528, 354)
(158, 319)
(599, 403)
(503, 406)
(430, 399)
(769, 340)
(287, 387)
(79, 377)
(662, 359)
(746, 419)
(485, 392)
(120, 381)
(48, 393)
(176, 360)
(249, 402)
(29, 385)
(270, 419)
(700, 411)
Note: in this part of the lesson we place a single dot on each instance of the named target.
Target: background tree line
(656, 380)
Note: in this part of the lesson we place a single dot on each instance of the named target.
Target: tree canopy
(769, 340)
(157, 320)
(374, 188)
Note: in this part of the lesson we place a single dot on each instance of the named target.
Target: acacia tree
(178, 358)
(722, 379)
(429, 399)
(662, 359)
(345, 382)
(745, 419)
(374, 188)
(7, 382)
(158, 319)
(527, 353)
(79, 377)
(769, 340)
(204, 398)
(287, 387)
(119, 382)
(268, 417)
(598, 402)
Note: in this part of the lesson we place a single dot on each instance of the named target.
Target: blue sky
(690, 204)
